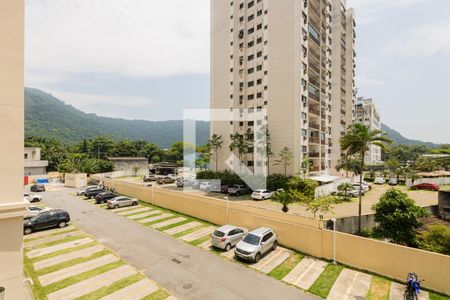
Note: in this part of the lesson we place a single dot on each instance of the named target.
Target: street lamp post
(226, 211)
(334, 240)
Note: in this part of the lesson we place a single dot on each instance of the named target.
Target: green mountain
(398, 138)
(47, 116)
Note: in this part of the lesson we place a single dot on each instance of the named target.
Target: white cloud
(368, 11)
(138, 38)
(104, 105)
(423, 41)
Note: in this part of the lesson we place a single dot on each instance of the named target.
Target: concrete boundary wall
(305, 235)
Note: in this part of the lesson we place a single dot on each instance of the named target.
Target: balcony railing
(314, 154)
(314, 125)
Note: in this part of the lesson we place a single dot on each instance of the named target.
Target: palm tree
(249, 139)
(215, 143)
(358, 140)
(238, 143)
(285, 198)
(286, 157)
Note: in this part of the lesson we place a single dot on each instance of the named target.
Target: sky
(149, 59)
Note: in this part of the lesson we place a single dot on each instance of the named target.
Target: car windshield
(252, 239)
(218, 233)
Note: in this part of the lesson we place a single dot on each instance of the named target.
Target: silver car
(33, 211)
(121, 201)
(227, 236)
(81, 191)
(256, 244)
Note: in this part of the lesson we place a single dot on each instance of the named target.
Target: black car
(37, 188)
(53, 218)
(93, 192)
(105, 196)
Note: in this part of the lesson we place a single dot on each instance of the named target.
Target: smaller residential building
(135, 165)
(366, 113)
(33, 165)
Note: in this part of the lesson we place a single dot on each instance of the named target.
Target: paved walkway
(76, 265)
(350, 285)
(306, 272)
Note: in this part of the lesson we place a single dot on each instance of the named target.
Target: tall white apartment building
(277, 55)
(366, 113)
(342, 75)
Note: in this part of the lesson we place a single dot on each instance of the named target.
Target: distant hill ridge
(47, 116)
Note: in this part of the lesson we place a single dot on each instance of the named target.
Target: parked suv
(148, 178)
(256, 244)
(92, 193)
(121, 201)
(37, 188)
(238, 190)
(227, 236)
(104, 196)
(83, 190)
(53, 218)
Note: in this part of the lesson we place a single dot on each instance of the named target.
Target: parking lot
(153, 223)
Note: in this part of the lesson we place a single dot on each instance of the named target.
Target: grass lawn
(158, 295)
(326, 280)
(282, 270)
(200, 240)
(379, 289)
(434, 296)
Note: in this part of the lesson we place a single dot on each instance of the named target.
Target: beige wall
(305, 235)
(75, 180)
(12, 206)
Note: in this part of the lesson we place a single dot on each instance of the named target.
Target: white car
(33, 211)
(81, 191)
(365, 188)
(210, 186)
(379, 180)
(32, 197)
(262, 194)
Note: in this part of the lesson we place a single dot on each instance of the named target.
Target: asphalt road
(185, 271)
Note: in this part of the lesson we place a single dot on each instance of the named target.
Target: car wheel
(135, 203)
(27, 230)
(275, 245)
(62, 224)
(116, 206)
(238, 194)
(257, 257)
(263, 198)
(227, 247)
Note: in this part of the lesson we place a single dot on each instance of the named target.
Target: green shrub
(277, 181)
(306, 186)
(436, 239)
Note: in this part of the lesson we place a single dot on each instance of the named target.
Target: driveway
(187, 272)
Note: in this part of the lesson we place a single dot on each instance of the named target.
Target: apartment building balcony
(314, 125)
(314, 140)
(314, 154)
(314, 111)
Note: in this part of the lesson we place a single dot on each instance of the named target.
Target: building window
(259, 95)
(241, 124)
(250, 44)
(251, 83)
(259, 12)
(251, 97)
(259, 54)
(251, 17)
(250, 4)
(259, 40)
(251, 70)
(259, 27)
(250, 163)
(251, 57)
(251, 30)
(258, 67)
(259, 81)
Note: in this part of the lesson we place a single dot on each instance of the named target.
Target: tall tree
(358, 140)
(215, 143)
(238, 144)
(285, 159)
(397, 218)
